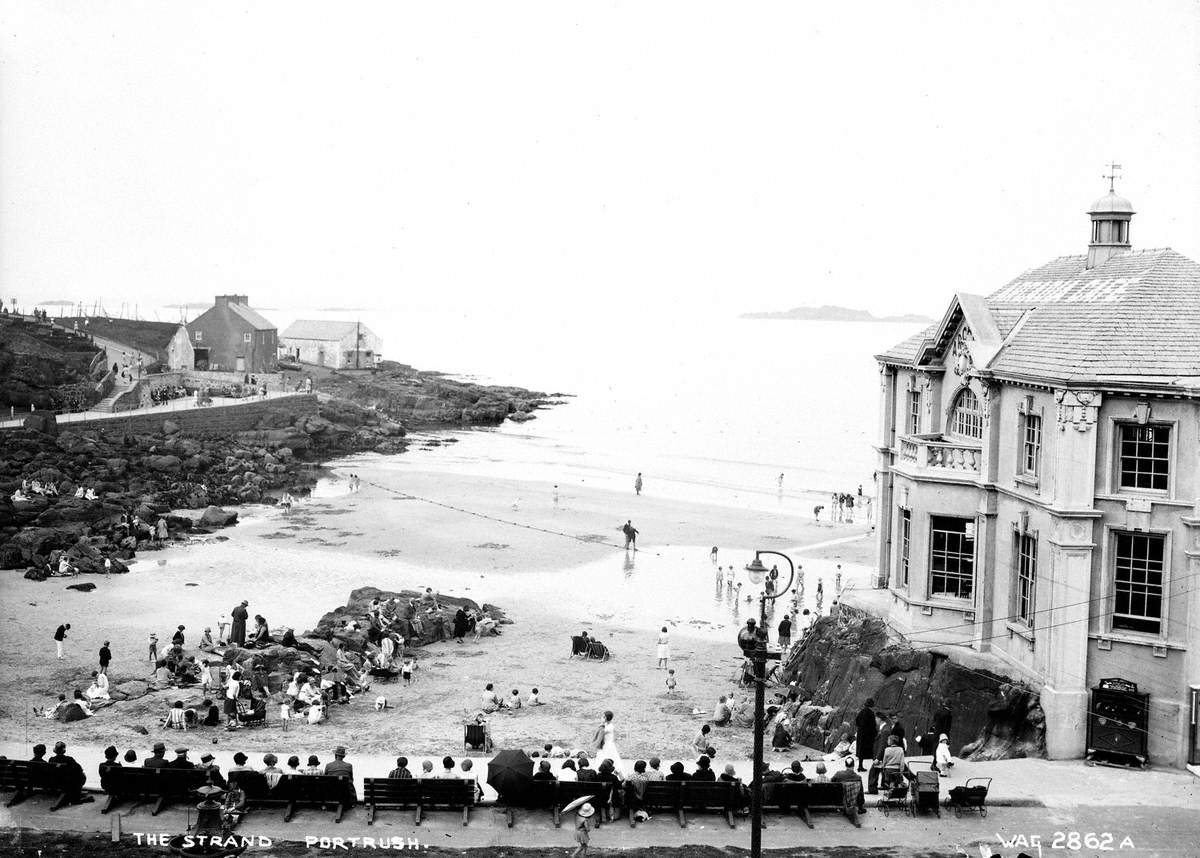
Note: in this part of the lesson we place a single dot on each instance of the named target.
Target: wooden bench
(555, 795)
(25, 777)
(419, 793)
(682, 796)
(313, 791)
(814, 795)
(160, 785)
(258, 791)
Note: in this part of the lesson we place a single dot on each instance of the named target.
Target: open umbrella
(510, 773)
(578, 803)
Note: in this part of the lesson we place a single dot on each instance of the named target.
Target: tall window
(914, 412)
(951, 556)
(1138, 582)
(967, 418)
(1031, 444)
(1025, 558)
(1144, 456)
(905, 543)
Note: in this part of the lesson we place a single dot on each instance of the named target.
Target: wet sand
(555, 567)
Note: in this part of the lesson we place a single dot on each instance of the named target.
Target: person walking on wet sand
(583, 826)
(637, 483)
(630, 535)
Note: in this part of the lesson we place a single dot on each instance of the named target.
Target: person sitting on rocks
(206, 640)
(261, 636)
(98, 690)
(513, 703)
(176, 717)
(486, 625)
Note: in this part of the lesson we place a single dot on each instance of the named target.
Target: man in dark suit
(71, 773)
(338, 766)
(181, 760)
(865, 738)
(158, 759)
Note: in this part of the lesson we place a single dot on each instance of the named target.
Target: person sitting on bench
(71, 776)
(543, 773)
(704, 770)
(848, 774)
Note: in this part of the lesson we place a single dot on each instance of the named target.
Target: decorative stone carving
(985, 401)
(961, 349)
(1077, 408)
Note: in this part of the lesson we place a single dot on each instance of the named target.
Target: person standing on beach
(237, 631)
(664, 648)
(630, 534)
(583, 825)
(105, 658)
(781, 481)
(637, 483)
(60, 635)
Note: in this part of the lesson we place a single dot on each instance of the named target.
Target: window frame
(913, 415)
(904, 529)
(932, 552)
(1024, 577)
(199, 336)
(247, 337)
(1023, 451)
(1164, 588)
(977, 421)
(1116, 457)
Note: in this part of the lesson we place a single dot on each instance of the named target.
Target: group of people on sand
(493, 701)
(842, 504)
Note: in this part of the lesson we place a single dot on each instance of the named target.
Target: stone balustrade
(933, 452)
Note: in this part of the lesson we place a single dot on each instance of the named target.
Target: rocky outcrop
(845, 660)
(416, 624)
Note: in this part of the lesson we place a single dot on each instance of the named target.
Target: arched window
(967, 419)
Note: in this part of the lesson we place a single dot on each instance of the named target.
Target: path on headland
(186, 403)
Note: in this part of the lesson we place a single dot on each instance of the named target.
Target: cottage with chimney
(231, 337)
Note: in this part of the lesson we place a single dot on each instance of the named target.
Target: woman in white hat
(583, 825)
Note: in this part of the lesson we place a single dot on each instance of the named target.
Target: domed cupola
(1110, 226)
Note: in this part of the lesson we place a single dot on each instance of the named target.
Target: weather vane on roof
(1112, 175)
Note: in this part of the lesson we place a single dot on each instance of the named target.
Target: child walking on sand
(153, 648)
(406, 670)
(671, 681)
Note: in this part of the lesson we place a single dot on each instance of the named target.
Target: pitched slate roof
(1133, 320)
(252, 316)
(312, 329)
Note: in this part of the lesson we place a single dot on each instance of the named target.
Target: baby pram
(925, 793)
(895, 791)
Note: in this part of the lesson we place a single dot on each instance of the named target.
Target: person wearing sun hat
(583, 826)
(209, 765)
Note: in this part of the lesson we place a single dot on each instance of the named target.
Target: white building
(338, 345)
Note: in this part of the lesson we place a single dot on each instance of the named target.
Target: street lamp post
(759, 655)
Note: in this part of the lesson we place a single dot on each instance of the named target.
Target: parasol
(578, 803)
(509, 774)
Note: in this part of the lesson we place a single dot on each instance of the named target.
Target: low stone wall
(211, 419)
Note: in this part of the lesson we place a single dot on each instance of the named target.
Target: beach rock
(137, 728)
(170, 427)
(36, 573)
(129, 689)
(844, 660)
(86, 587)
(166, 464)
(11, 557)
(214, 516)
(423, 628)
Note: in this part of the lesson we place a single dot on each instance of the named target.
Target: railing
(955, 457)
(933, 452)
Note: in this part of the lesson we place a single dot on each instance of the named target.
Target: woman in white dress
(664, 648)
(606, 744)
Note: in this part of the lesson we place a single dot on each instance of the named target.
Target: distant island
(341, 309)
(829, 313)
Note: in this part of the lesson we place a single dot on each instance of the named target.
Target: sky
(574, 159)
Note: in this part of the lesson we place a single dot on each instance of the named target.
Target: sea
(706, 407)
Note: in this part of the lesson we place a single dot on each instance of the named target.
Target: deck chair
(475, 737)
(597, 651)
(578, 645)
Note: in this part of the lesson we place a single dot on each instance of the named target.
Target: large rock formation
(845, 660)
(431, 625)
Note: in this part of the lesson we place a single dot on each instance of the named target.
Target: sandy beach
(555, 564)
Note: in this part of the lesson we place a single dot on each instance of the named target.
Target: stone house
(231, 337)
(1039, 483)
(161, 346)
(338, 345)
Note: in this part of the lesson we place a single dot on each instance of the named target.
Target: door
(241, 364)
(321, 356)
